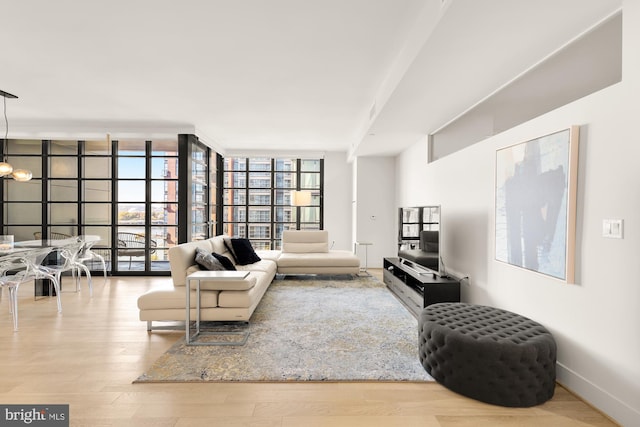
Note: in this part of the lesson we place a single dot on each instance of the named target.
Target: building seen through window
(257, 198)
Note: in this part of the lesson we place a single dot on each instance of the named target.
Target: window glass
(15, 191)
(131, 167)
(235, 179)
(131, 213)
(23, 213)
(309, 180)
(96, 191)
(260, 164)
(69, 148)
(96, 213)
(63, 190)
(63, 167)
(164, 191)
(131, 148)
(310, 165)
(234, 197)
(285, 164)
(96, 167)
(269, 184)
(285, 180)
(235, 213)
(165, 237)
(164, 213)
(104, 233)
(131, 191)
(164, 147)
(33, 164)
(24, 146)
(235, 164)
(63, 213)
(97, 148)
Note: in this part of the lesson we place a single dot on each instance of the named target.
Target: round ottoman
(488, 354)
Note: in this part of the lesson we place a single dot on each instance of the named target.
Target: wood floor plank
(89, 355)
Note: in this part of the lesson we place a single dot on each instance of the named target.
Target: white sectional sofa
(307, 252)
(304, 252)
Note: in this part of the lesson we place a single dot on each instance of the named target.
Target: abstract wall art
(535, 198)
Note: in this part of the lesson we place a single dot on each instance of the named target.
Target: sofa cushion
(265, 265)
(160, 299)
(246, 298)
(217, 244)
(207, 261)
(334, 258)
(305, 241)
(228, 284)
(226, 262)
(269, 254)
(242, 251)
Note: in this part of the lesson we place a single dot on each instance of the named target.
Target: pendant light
(21, 175)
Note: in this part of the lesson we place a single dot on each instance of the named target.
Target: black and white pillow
(207, 261)
(226, 262)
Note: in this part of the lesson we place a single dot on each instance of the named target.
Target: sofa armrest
(182, 257)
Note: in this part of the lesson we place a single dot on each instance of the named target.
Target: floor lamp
(300, 198)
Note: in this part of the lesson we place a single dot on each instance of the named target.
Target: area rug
(335, 329)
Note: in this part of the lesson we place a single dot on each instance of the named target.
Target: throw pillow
(229, 246)
(226, 262)
(244, 252)
(207, 261)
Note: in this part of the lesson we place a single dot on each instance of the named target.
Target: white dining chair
(86, 255)
(69, 251)
(20, 267)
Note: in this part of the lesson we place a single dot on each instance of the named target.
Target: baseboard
(600, 399)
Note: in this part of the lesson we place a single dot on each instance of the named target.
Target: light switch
(612, 228)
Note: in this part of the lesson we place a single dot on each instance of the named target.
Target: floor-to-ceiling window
(23, 202)
(146, 203)
(125, 191)
(257, 198)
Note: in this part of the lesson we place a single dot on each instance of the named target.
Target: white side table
(208, 276)
(366, 245)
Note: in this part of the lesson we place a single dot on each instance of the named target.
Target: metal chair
(133, 244)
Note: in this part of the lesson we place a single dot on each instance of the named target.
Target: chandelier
(6, 169)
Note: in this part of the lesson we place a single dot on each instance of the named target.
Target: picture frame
(535, 204)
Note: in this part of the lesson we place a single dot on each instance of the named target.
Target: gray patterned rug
(309, 330)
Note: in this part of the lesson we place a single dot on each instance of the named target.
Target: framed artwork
(535, 198)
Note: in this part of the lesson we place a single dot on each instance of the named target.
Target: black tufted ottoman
(488, 354)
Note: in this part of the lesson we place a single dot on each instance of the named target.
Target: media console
(418, 287)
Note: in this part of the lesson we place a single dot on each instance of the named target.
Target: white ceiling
(288, 75)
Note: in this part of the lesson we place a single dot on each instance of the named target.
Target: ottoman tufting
(488, 354)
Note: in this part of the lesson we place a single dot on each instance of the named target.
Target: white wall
(375, 210)
(337, 199)
(596, 321)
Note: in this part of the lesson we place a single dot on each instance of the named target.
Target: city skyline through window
(257, 198)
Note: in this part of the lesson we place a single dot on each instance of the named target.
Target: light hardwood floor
(89, 355)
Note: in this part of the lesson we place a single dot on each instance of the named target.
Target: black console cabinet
(418, 287)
